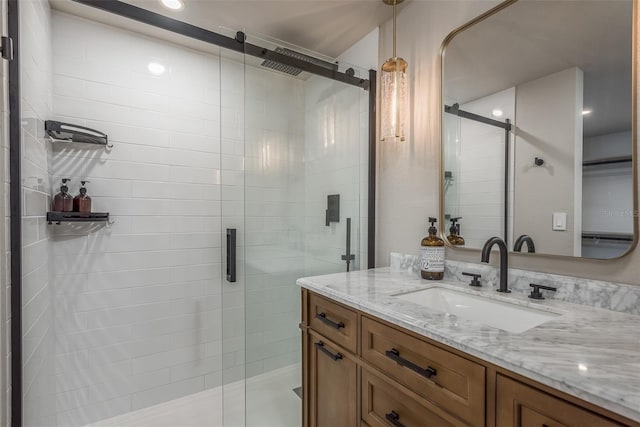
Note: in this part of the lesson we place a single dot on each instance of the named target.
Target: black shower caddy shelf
(60, 217)
(66, 132)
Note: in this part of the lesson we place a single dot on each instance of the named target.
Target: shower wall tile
(37, 310)
(137, 302)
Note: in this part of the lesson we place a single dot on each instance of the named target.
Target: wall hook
(538, 161)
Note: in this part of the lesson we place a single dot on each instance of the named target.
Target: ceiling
(532, 39)
(328, 27)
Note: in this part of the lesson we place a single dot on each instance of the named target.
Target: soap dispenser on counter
(432, 254)
(82, 202)
(454, 232)
(63, 201)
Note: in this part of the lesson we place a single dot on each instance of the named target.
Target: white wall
(408, 174)
(605, 146)
(37, 303)
(549, 126)
(138, 304)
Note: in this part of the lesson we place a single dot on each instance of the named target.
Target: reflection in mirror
(537, 128)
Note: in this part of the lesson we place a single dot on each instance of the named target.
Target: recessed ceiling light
(173, 4)
(582, 367)
(585, 112)
(156, 68)
(496, 112)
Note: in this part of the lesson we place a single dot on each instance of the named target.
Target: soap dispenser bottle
(63, 201)
(454, 232)
(432, 254)
(82, 202)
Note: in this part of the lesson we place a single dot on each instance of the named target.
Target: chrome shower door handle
(231, 255)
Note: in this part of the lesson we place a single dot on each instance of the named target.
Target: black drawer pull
(427, 372)
(323, 317)
(393, 418)
(320, 346)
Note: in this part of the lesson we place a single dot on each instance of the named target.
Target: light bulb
(173, 4)
(156, 68)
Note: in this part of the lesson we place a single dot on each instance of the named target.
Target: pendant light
(394, 90)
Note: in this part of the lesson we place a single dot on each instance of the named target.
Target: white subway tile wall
(37, 303)
(274, 149)
(138, 304)
(121, 317)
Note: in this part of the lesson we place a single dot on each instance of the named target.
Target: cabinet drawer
(384, 404)
(454, 383)
(518, 405)
(335, 322)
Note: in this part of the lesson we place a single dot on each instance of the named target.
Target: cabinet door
(519, 405)
(333, 385)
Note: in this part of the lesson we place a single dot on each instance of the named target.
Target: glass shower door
(302, 182)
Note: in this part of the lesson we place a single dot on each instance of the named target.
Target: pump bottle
(432, 254)
(82, 202)
(63, 201)
(454, 236)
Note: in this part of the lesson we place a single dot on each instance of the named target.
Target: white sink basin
(497, 314)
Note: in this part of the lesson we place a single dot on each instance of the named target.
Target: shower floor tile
(269, 398)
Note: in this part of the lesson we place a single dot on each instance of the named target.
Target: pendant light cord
(394, 29)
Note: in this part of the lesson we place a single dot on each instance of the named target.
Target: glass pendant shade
(394, 94)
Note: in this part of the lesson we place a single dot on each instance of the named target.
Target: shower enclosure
(234, 165)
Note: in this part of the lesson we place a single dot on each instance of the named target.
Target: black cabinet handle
(323, 317)
(320, 346)
(427, 372)
(231, 255)
(393, 418)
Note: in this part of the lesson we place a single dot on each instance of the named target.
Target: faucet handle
(474, 281)
(535, 292)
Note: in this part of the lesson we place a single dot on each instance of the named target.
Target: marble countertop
(590, 353)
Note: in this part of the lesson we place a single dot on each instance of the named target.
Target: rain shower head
(294, 71)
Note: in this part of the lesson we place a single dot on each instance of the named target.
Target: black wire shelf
(60, 217)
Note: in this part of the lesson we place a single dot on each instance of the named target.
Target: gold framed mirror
(539, 129)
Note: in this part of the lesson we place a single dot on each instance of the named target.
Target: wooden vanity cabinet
(520, 405)
(362, 371)
(333, 384)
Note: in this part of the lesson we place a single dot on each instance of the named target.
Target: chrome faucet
(531, 248)
(504, 260)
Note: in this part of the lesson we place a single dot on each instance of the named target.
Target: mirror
(538, 130)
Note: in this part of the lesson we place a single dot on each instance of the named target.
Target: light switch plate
(559, 221)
